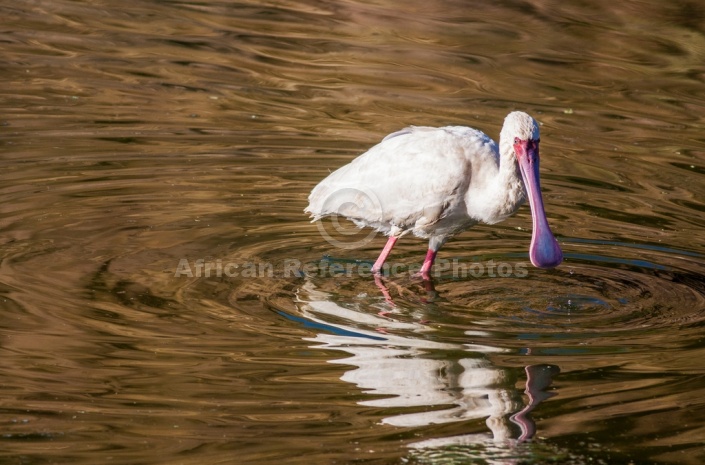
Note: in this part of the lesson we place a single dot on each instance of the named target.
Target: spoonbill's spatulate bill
(437, 182)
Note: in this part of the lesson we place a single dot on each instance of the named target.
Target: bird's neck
(508, 166)
(509, 191)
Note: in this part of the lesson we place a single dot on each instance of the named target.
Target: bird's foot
(421, 276)
(428, 285)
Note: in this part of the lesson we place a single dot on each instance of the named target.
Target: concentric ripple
(591, 298)
(630, 295)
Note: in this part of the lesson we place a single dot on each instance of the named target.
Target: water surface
(164, 299)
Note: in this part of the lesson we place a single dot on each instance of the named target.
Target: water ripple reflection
(136, 136)
(458, 354)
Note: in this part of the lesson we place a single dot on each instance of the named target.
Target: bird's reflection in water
(414, 371)
(426, 284)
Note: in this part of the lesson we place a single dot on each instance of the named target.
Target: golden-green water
(163, 298)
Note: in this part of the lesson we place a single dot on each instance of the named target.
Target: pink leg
(377, 267)
(425, 271)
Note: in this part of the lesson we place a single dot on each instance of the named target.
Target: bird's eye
(516, 140)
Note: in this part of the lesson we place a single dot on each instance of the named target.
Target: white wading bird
(437, 182)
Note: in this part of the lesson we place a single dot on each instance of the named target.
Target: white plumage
(437, 182)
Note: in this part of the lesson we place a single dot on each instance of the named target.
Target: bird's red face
(544, 251)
